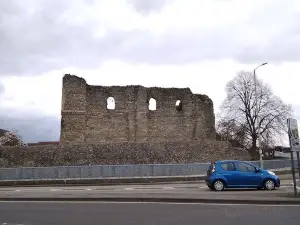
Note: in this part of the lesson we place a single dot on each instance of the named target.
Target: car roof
(227, 161)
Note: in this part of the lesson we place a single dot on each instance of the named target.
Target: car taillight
(213, 169)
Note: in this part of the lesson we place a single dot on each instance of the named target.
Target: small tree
(11, 138)
(239, 108)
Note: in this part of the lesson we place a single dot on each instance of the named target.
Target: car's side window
(228, 166)
(244, 167)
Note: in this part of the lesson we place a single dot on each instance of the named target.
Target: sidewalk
(103, 181)
(275, 197)
(284, 174)
(114, 181)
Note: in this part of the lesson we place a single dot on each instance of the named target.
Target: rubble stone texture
(180, 130)
(86, 118)
(120, 153)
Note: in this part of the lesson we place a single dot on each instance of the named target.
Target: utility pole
(257, 116)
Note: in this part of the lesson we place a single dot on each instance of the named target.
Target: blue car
(239, 174)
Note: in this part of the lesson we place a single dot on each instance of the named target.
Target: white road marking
(17, 190)
(167, 188)
(296, 186)
(161, 203)
(128, 188)
(88, 189)
(214, 204)
(12, 224)
(55, 189)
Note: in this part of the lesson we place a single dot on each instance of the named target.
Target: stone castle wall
(131, 133)
(119, 153)
(86, 118)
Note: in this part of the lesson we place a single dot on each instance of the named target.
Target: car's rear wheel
(219, 185)
(269, 184)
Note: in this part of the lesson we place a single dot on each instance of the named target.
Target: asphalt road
(42, 213)
(175, 190)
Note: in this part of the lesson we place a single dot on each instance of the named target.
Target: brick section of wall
(86, 119)
(120, 153)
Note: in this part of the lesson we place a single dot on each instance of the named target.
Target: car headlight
(272, 173)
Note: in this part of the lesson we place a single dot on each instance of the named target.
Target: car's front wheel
(219, 185)
(269, 184)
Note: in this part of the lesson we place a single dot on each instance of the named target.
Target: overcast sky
(169, 43)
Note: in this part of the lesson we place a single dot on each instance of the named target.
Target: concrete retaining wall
(111, 171)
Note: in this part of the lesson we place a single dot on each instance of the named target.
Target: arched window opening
(111, 103)
(152, 104)
(178, 105)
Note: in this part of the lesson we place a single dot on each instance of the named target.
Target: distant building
(282, 149)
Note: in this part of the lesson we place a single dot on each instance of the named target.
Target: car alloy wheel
(269, 185)
(219, 185)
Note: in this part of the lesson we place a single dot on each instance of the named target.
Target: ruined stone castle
(128, 125)
(99, 114)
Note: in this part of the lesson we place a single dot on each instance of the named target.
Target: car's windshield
(251, 164)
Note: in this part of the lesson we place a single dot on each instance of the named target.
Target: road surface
(191, 190)
(73, 213)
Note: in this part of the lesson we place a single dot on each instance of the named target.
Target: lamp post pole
(257, 117)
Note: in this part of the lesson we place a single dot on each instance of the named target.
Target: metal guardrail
(120, 171)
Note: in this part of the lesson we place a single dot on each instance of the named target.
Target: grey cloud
(296, 109)
(176, 48)
(148, 6)
(90, 2)
(41, 41)
(2, 90)
(32, 128)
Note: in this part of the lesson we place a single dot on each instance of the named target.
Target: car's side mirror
(257, 170)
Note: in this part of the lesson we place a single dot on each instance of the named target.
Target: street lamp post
(257, 117)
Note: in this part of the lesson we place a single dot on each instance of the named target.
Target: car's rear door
(228, 171)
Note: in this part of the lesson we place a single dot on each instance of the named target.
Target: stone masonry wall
(119, 153)
(86, 119)
(131, 133)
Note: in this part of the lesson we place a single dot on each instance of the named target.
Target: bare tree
(239, 107)
(229, 130)
(11, 138)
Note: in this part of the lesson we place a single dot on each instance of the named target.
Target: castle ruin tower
(73, 109)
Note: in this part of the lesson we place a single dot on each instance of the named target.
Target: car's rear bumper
(278, 182)
(208, 182)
